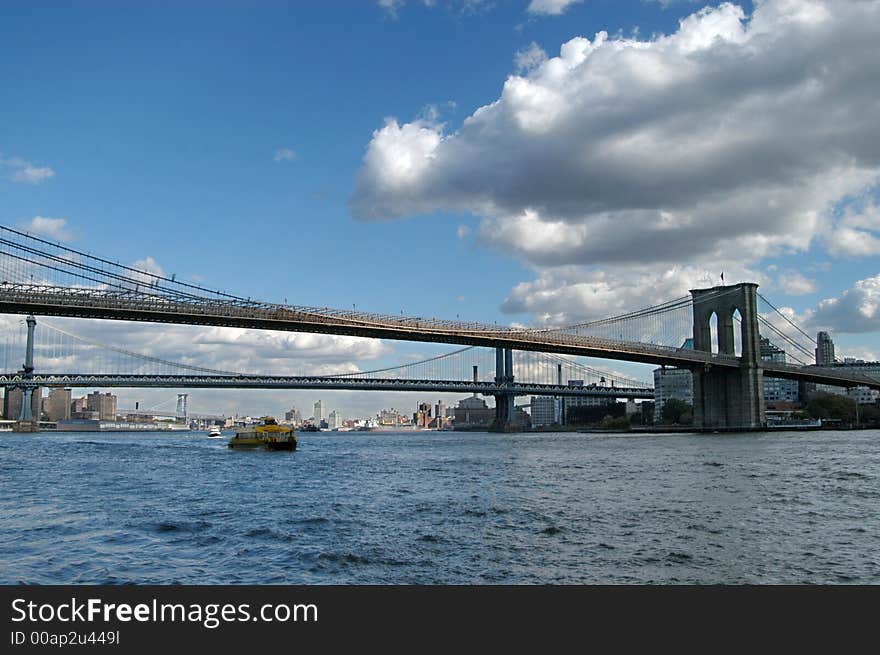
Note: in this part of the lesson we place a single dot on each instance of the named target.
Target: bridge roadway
(317, 382)
(139, 306)
(135, 305)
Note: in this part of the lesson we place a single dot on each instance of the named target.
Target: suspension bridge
(467, 370)
(725, 326)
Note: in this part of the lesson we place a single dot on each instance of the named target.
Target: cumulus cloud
(857, 232)
(728, 141)
(55, 228)
(795, 284)
(550, 7)
(856, 310)
(148, 265)
(529, 58)
(572, 294)
(25, 172)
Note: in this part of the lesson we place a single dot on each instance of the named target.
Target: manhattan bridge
(715, 333)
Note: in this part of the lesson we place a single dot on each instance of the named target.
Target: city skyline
(473, 171)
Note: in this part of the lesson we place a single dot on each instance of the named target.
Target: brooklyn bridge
(715, 333)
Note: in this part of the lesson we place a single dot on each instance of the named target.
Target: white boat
(215, 433)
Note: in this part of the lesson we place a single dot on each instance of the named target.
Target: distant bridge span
(317, 382)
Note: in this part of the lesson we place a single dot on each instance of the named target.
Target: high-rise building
(293, 416)
(776, 389)
(824, 350)
(334, 421)
(319, 412)
(671, 383)
(102, 403)
(422, 416)
(58, 404)
(543, 411)
(440, 412)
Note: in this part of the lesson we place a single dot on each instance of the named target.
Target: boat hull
(250, 443)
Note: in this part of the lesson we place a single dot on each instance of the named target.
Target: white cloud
(856, 352)
(529, 58)
(55, 228)
(33, 174)
(391, 6)
(550, 7)
(856, 310)
(571, 294)
(284, 154)
(149, 265)
(25, 172)
(795, 284)
(857, 232)
(727, 142)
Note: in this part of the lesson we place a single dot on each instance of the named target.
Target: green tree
(677, 412)
(832, 406)
(869, 415)
(593, 414)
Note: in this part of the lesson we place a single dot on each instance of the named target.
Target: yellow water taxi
(268, 434)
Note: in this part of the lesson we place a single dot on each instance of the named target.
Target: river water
(441, 508)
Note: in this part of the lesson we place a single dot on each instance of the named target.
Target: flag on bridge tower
(722, 276)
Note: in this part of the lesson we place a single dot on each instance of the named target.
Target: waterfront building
(58, 404)
(102, 403)
(473, 413)
(824, 349)
(319, 412)
(440, 412)
(671, 383)
(777, 390)
(582, 401)
(864, 395)
(422, 416)
(334, 420)
(391, 417)
(544, 411)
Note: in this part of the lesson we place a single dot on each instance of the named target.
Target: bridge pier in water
(26, 420)
(728, 398)
(505, 419)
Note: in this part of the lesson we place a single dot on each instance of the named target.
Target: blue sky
(245, 146)
(162, 120)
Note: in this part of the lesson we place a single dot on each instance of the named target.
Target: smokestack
(476, 378)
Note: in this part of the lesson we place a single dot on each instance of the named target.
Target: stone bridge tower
(728, 398)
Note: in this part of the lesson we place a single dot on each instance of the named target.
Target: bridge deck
(317, 382)
(137, 305)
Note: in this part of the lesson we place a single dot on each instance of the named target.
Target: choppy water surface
(442, 508)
